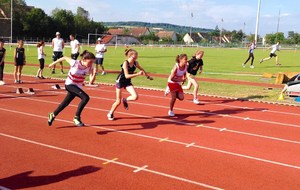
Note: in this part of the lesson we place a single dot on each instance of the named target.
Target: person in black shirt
(195, 64)
(124, 81)
(19, 57)
(2, 57)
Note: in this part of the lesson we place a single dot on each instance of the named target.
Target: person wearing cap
(75, 47)
(58, 45)
(100, 50)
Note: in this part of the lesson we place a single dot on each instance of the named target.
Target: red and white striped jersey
(77, 73)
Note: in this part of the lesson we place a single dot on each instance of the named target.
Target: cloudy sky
(236, 14)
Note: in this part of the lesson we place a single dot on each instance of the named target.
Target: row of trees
(34, 22)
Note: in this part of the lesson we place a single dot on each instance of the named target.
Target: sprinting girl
(76, 76)
(2, 57)
(194, 65)
(124, 81)
(20, 60)
(41, 58)
(175, 80)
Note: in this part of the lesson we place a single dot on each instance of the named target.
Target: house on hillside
(167, 35)
(137, 32)
(195, 37)
(120, 40)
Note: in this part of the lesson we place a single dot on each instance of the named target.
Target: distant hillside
(164, 26)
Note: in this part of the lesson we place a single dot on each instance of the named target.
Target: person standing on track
(175, 80)
(194, 65)
(20, 60)
(58, 45)
(41, 58)
(2, 58)
(75, 47)
(251, 47)
(124, 81)
(100, 50)
(76, 76)
(274, 48)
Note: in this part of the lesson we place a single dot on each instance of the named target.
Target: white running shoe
(103, 73)
(252, 66)
(167, 91)
(2, 82)
(171, 113)
(110, 117)
(196, 101)
(244, 65)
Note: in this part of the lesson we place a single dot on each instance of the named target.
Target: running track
(221, 144)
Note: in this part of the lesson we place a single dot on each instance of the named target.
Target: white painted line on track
(172, 141)
(140, 169)
(115, 162)
(223, 129)
(189, 145)
(110, 161)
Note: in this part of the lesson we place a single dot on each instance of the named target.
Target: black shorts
(74, 55)
(120, 85)
(56, 55)
(19, 62)
(99, 61)
(42, 63)
(273, 55)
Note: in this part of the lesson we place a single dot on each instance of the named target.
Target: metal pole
(278, 26)
(11, 21)
(257, 21)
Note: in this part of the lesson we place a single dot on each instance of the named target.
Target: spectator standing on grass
(273, 48)
(2, 58)
(73, 84)
(176, 79)
(124, 81)
(20, 60)
(41, 58)
(194, 64)
(75, 47)
(58, 45)
(100, 50)
(251, 47)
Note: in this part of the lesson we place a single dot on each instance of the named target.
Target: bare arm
(140, 68)
(60, 60)
(127, 75)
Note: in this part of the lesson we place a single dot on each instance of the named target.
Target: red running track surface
(220, 144)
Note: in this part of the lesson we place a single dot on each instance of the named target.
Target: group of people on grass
(182, 70)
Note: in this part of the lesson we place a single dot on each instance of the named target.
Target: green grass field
(223, 63)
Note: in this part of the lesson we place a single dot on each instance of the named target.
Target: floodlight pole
(11, 21)
(257, 21)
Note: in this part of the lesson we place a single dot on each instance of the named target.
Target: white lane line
(189, 145)
(246, 118)
(110, 161)
(115, 162)
(175, 142)
(140, 169)
(223, 129)
(168, 120)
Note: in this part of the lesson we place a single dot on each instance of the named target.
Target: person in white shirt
(274, 48)
(58, 45)
(41, 58)
(78, 71)
(75, 47)
(100, 50)
(251, 47)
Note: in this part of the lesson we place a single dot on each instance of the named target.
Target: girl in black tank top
(20, 58)
(124, 81)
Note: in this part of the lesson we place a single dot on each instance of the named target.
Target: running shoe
(252, 66)
(51, 118)
(103, 73)
(53, 72)
(110, 116)
(77, 121)
(244, 65)
(2, 82)
(261, 61)
(171, 113)
(196, 101)
(124, 101)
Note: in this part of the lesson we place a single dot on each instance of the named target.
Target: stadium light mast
(11, 20)
(257, 21)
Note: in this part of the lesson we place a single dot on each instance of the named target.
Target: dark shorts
(120, 85)
(99, 61)
(56, 55)
(273, 55)
(42, 63)
(19, 62)
(74, 55)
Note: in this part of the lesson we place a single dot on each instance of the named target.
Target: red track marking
(200, 154)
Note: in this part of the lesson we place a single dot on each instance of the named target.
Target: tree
(63, 21)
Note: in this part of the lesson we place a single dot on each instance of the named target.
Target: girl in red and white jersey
(76, 76)
(175, 80)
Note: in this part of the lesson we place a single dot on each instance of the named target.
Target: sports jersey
(252, 47)
(57, 44)
(275, 48)
(41, 54)
(20, 54)
(121, 77)
(100, 48)
(194, 65)
(179, 73)
(77, 73)
(74, 46)
(2, 52)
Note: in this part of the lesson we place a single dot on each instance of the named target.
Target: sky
(227, 14)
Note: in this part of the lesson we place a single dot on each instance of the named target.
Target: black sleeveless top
(194, 65)
(2, 52)
(121, 77)
(20, 54)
